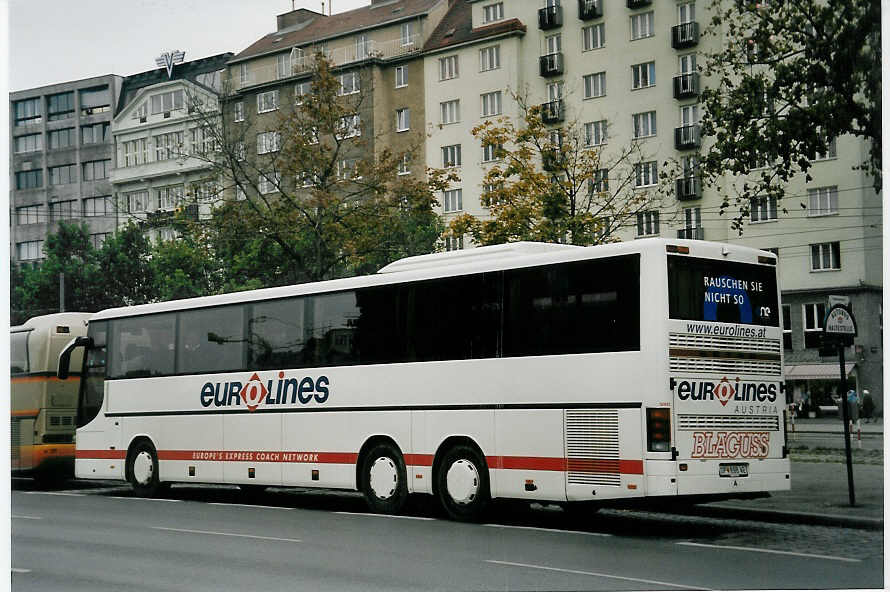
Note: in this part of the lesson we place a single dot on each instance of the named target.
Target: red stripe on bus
(419, 460)
(114, 454)
(543, 463)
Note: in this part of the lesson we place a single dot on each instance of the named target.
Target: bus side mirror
(65, 356)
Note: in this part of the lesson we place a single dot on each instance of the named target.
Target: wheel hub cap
(143, 468)
(462, 480)
(384, 477)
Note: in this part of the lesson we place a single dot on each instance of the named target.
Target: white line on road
(594, 574)
(384, 515)
(557, 530)
(147, 499)
(250, 506)
(20, 570)
(54, 493)
(808, 555)
(27, 517)
(231, 534)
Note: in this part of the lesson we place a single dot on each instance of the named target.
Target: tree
(130, 279)
(555, 185)
(315, 191)
(789, 78)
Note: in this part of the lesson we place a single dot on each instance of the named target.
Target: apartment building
(164, 145)
(376, 53)
(628, 73)
(60, 161)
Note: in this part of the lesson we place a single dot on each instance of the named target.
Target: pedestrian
(853, 409)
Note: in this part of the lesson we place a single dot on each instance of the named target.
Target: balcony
(550, 17)
(687, 137)
(551, 64)
(590, 9)
(638, 3)
(697, 233)
(684, 35)
(688, 188)
(553, 112)
(686, 86)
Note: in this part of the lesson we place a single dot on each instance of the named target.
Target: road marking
(808, 555)
(557, 530)
(231, 534)
(54, 493)
(147, 499)
(20, 570)
(594, 574)
(27, 517)
(250, 506)
(384, 515)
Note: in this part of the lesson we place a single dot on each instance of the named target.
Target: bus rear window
(18, 353)
(722, 291)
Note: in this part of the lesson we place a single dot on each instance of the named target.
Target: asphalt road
(199, 538)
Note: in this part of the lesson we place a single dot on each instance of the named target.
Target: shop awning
(816, 371)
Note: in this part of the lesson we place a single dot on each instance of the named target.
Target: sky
(53, 41)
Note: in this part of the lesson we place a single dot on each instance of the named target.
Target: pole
(846, 416)
(61, 292)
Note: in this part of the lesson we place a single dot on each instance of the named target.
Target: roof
(456, 27)
(320, 27)
(186, 70)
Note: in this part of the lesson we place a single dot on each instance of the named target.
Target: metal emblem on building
(168, 59)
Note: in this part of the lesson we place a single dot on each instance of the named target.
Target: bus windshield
(722, 291)
(18, 353)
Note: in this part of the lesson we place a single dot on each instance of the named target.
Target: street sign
(839, 325)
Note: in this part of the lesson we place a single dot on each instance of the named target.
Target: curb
(718, 510)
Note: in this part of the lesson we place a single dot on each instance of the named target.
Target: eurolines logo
(726, 391)
(255, 392)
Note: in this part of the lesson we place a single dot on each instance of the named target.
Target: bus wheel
(462, 483)
(384, 479)
(142, 470)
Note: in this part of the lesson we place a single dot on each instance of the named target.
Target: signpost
(840, 328)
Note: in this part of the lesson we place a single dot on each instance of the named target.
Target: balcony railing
(550, 17)
(697, 233)
(553, 112)
(590, 9)
(686, 86)
(638, 3)
(688, 188)
(340, 56)
(687, 137)
(551, 64)
(684, 35)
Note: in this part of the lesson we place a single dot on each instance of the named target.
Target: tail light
(658, 429)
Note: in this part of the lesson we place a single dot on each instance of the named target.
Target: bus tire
(384, 479)
(142, 469)
(462, 483)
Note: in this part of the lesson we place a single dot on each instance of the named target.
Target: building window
(823, 201)
(29, 179)
(202, 141)
(349, 127)
(453, 200)
(28, 111)
(763, 209)
(268, 142)
(644, 124)
(405, 165)
(269, 182)
(403, 119)
(593, 37)
(240, 195)
(63, 175)
(136, 152)
(29, 214)
(170, 197)
(643, 75)
(168, 146)
(243, 73)
(491, 103)
(492, 12)
(29, 143)
(813, 316)
(595, 133)
(646, 174)
(595, 85)
(141, 113)
(284, 67)
(350, 83)
(451, 156)
(830, 150)
(96, 169)
(347, 169)
(686, 12)
(62, 210)
(60, 106)
(489, 58)
(599, 182)
(786, 327)
(642, 25)
(94, 134)
(448, 68)
(692, 223)
(95, 206)
(647, 223)
(454, 243)
(62, 138)
(450, 111)
(267, 101)
(167, 102)
(301, 91)
(137, 202)
(239, 111)
(825, 256)
(30, 250)
(407, 34)
(401, 76)
(492, 152)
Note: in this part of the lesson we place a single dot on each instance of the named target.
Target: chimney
(301, 16)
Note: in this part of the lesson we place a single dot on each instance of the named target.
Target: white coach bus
(527, 371)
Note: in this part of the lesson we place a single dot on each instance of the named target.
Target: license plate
(734, 470)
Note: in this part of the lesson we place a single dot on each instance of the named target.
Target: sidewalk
(834, 424)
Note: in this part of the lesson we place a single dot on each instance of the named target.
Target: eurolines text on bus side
(255, 392)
